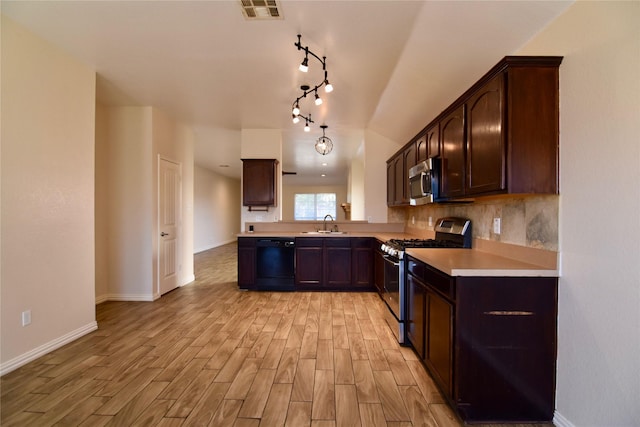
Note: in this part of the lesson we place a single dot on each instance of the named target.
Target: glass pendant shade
(324, 145)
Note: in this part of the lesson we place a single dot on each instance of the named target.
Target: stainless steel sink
(324, 232)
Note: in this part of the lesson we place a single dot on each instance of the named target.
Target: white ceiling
(394, 65)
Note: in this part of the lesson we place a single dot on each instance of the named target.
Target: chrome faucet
(324, 221)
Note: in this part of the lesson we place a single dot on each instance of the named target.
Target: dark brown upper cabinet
(428, 144)
(485, 139)
(398, 175)
(499, 137)
(409, 161)
(259, 182)
(512, 129)
(452, 136)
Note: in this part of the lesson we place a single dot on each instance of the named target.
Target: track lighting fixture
(296, 119)
(306, 89)
(324, 145)
(304, 66)
(306, 126)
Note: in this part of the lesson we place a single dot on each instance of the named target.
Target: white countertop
(470, 262)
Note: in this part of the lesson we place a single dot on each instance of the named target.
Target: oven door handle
(389, 260)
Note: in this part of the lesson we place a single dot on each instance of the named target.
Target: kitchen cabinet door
(428, 145)
(433, 141)
(246, 262)
(391, 182)
(416, 306)
(440, 339)
(362, 263)
(398, 183)
(337, 263)
(452, 137)
(485, 138)
(378, 267)
(422, 148)
(259, 182)
(309, 263)
(409, 161)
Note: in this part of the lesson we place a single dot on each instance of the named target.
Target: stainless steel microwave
(423, 182)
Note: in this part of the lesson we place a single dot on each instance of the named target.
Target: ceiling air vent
(260, 9)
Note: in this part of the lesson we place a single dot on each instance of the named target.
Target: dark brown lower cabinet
(378, 266)
(246, 263)
(309, 263)
(489, 342)
(334, 263)
(361, 263)
(439, 341)
(417, 297)
(337, 262)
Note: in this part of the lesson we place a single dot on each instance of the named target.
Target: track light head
(328, 87)
(318, 100)
(296, 110)
(304, 66)
(296, 119)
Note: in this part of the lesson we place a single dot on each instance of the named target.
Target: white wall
(358, 186)
(48, 107)
(377, 150)
(101, 204)
(130, 203)
(216, 209)
(598, 380)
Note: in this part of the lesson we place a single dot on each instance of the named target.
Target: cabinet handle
(509, 313)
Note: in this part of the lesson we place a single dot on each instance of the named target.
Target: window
(314, 206)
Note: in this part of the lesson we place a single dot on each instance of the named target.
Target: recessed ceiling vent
(260, 9)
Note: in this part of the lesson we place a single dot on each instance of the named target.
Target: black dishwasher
(275, 269)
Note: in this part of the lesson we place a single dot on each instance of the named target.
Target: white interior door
(169, 221)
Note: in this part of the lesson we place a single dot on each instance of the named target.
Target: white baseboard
(188, 280)
(31, 355)
(560, 421)
(127, 297)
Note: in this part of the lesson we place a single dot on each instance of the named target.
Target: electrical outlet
(26, 317)
(496, 225)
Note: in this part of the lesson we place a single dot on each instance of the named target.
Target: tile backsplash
(530, 221)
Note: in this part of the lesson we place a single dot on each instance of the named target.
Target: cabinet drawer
(416, 268)
(440, 282)
(246, 241)
(308, 242)
(337, 242)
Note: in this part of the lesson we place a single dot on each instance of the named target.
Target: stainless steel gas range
(450, 233)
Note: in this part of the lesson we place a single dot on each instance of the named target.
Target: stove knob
(393, 252)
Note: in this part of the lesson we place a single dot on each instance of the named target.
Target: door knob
(164, 234)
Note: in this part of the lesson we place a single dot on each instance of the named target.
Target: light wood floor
(209, 354)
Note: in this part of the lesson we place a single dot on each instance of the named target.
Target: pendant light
(324, 145)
